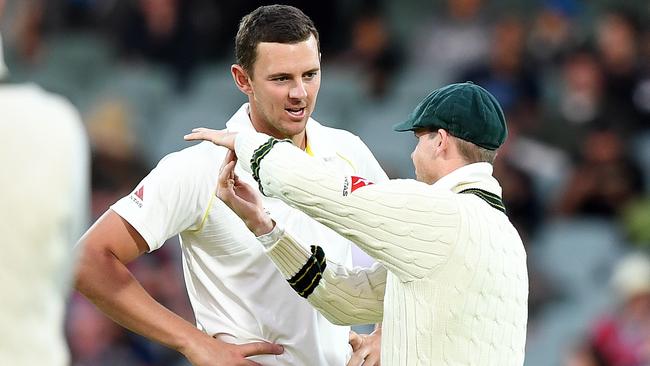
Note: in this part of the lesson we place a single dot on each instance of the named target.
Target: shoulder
(336, 134)
(53, 104)
(50, 119)
(201, 160)
(41, 109)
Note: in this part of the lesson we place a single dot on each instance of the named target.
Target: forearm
(402, 224)
(106, 282)
(344, 296)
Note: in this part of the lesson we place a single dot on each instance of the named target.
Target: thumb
(260, 348)
(355, 341)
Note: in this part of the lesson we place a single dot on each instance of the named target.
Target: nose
(298, 91)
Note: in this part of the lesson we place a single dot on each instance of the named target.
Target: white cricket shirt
(44, 192)
(235, 290)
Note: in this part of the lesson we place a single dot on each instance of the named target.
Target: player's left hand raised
(217, 137)
(243, 199)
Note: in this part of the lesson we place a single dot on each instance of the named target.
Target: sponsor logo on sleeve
(138, 196)
(358, 182)
(352, 183)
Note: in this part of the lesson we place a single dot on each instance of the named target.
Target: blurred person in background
(617, 41)
(45, 192)
(162, 31)
(622, 337)
(506, 74)
(241, 302)
(579, 105)
(374, 50)
(604, 180)
(455, 41)
(553, 33)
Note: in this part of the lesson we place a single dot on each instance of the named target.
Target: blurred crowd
(572, 76)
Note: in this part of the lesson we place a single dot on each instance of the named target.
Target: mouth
(296, 114)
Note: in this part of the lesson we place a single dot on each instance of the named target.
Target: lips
(296, 114)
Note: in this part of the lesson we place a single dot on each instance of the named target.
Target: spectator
(604, 181)
(623, 337)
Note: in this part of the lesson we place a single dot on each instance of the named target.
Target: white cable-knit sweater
(456, 286)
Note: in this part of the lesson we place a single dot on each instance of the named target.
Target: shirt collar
(241, 122)
(476, 175)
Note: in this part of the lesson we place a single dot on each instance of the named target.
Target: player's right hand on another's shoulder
(210, 351)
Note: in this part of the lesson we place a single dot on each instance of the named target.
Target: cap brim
(404, 126)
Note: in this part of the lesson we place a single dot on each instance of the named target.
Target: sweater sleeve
(344, 296)
(404, 224)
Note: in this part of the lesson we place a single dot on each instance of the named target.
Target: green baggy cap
(465, 110)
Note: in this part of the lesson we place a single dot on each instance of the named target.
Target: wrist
(262, 225)
(185, 340)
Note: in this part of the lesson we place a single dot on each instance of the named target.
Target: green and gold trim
(308, 277)
(259, 154)
(489, 197)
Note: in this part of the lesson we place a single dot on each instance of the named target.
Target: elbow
(92, 264)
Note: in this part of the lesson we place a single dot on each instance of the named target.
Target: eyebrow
(285, 74)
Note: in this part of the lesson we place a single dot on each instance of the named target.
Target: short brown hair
(271, 23)
(471, 152)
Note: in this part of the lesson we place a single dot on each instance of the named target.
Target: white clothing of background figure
(44, 190)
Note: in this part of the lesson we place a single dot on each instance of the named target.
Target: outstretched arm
(344, 296)
(403, 224)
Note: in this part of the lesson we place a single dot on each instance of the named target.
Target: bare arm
(102, 276)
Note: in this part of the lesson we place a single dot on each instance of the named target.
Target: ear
(443, 141)
(240, 76)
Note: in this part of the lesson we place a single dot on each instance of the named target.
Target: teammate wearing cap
(456, 288)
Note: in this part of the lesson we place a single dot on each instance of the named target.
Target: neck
(450, 166)
(299, 140)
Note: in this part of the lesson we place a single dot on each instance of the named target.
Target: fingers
(200, 133)
(357, 359)
(217, 137)
(355, 340)
(260, 348)
(226, 175)
(373, 359)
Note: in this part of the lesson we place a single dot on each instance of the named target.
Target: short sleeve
(172, 198)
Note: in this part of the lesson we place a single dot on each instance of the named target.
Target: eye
(281, 78)
(311, 75)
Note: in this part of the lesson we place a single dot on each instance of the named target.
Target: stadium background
(573, 77)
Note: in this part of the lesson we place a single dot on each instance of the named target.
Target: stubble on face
(424, 157)
(284, 88)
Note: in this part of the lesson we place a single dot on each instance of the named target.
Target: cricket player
(246, 313)
(45, 183)
(456, 288)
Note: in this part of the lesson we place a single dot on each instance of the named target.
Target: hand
(217, 137)
(243, 199)
(366, 348)
(213, 352)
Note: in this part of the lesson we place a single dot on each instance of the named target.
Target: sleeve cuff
(245, 145)
(272, 237)
(288, 255)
